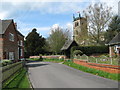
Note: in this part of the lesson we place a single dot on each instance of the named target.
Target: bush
(77, 52)
(88, 50)
(6, 62)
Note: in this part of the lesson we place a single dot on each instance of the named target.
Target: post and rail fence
(9, 70)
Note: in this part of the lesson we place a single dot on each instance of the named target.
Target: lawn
(101, 60)
(55, 60)
(18, 81)
(93, 71)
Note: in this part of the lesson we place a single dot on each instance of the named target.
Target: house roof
(115, 40)
(19, 33)
(67, 44)
(4, 25)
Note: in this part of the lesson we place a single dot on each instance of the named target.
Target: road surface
(53, 75)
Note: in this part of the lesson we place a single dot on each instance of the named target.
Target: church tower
(80, 32)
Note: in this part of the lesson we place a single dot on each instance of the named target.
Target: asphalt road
(53, 75)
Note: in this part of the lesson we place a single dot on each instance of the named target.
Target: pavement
(54, 75)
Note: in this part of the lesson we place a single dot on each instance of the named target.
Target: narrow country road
(53, 75)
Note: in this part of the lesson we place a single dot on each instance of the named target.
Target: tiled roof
(115, 40)
(19, 33)
(4, 25)
(67, 44)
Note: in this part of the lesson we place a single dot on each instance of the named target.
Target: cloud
(41, 30)
(14, 8)
(113, 4)
(42, 1)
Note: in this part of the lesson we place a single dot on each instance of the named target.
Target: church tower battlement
(80, 31)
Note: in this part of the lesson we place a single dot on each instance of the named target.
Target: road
(53, 75)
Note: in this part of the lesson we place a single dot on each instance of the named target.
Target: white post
(111, 60)
(87, 58)
(96, 60)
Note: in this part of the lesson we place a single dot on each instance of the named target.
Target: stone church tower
(80, 31)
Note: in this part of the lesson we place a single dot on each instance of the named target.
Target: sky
(46, 14)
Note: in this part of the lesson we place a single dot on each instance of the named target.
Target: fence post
(111, 60)
(87, 58)
(96, 60)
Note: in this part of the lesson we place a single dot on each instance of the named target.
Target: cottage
(114, 46)
(67, 47)
(11, 41)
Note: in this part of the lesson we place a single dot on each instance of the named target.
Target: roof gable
(67, 44)
(4, 25)
(115, 40)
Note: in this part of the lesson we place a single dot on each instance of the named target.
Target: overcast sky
(44, 14)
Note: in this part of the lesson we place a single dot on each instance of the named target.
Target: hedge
(88, 50)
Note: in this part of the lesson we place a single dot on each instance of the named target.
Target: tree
(34, 43)
(113, 28)
(98, 16)
(57, 39)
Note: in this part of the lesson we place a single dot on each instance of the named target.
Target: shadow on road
(35, 65)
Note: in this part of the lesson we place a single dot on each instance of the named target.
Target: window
(11, 55)
(21, 43)
(21, 52)
(76, 24)
(11, 37)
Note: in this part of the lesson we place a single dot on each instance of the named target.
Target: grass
(18, 80)
(53, 60)
(93, 71)
(35, 59)
(99, 60)
(102, 60)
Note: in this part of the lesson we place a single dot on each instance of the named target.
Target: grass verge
(18, 80)
(94, 71)
(53, 60)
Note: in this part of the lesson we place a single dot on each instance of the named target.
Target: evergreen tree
(34, 43)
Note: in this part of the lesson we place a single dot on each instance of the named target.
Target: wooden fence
(8, 71)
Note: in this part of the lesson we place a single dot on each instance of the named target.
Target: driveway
(53, 75)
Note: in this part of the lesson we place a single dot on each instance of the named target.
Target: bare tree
(98, 16)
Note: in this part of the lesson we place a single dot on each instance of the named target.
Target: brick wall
(21, 38)
(9, 46)
(1, 48)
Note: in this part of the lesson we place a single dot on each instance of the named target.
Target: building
(114, 46)
(80, 31)
(119, 8)
(66, 49)
(11, 41)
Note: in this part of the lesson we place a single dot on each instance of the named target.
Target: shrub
(77, 52)
(6, 62)
(88, 50)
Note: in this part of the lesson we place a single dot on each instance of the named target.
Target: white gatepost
(96, 60)
(111, 61)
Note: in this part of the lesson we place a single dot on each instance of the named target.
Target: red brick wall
(22, 47)
(8, 45)
(1, 48)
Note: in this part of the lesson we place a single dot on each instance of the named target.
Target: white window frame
(21, 43)
(11, 37)
(11, 55)
(21, 52)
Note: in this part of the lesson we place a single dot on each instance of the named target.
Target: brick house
(11, 41)
(114, 46)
